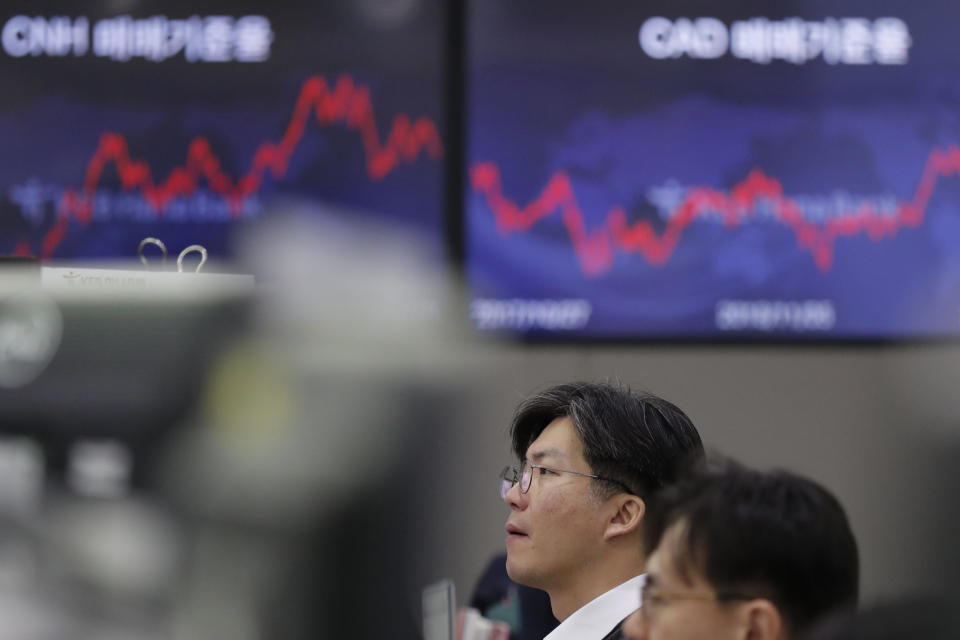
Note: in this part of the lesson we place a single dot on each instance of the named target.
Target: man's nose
(515, 499)
(634, 627)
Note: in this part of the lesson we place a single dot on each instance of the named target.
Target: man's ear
(762, 620)
(627, 517)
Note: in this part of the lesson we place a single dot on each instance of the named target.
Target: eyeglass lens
(509, 477)
(507, 481)
(526, 476)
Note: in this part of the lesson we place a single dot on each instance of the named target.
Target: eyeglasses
(510, 476)
(653, 599)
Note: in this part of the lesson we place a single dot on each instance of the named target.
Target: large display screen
(714, 170)
(186, 120)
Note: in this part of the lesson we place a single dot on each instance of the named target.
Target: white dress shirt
(598, 617)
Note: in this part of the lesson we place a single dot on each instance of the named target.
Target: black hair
(633, 440)
(770, 534)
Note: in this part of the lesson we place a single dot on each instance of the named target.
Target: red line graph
(344, 103)
(595, 249)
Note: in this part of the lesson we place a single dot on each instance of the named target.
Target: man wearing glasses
(741, 554)
(590, 455)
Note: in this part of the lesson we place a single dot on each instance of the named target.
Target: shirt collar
(599, 616)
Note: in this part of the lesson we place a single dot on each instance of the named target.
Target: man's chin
(512, 569)
(518, 572)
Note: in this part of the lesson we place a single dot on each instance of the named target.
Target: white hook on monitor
(190, 249)
(156, 242)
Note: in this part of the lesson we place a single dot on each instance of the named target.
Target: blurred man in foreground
(590, 455)
(740, 554)
(928, 617)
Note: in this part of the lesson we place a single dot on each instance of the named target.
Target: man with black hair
(738, 554)
(590, 455)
